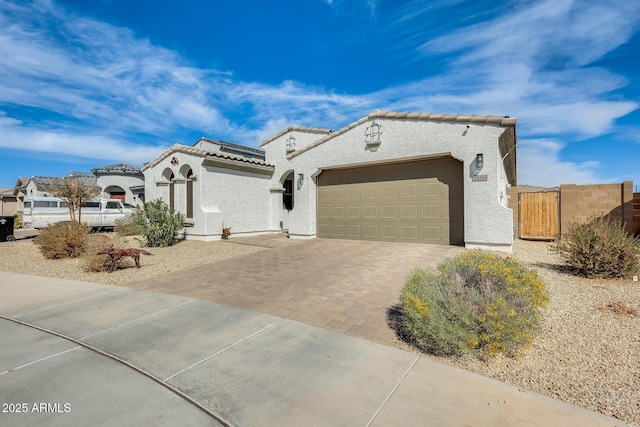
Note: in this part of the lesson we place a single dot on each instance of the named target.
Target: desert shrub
(476, 302)
(127, 226)
(64, 239)
(599, 247)
(92, 262)
(157, 224)
(17, 223)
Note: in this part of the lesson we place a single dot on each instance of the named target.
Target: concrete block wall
(579, 202)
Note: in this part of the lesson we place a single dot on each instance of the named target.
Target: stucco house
(121, 181)
(401, 177)
(42, 186)
(8, 202)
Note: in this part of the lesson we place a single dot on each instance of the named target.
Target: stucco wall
(488, 222)
(221, 197)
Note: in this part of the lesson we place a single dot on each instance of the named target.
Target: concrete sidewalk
(197, 363)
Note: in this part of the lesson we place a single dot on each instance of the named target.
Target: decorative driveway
(343, 285)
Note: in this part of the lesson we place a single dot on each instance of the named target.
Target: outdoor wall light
(300, 179)
(479, 160)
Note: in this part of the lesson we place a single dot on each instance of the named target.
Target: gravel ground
(22, 256)
(585, 354)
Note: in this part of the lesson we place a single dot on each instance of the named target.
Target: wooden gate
(539, 215)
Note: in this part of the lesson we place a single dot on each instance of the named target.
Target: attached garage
(419, 201)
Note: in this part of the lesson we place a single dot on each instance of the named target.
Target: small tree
(157, 224)
(74, 191)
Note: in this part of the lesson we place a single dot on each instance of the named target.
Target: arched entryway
(116, 192)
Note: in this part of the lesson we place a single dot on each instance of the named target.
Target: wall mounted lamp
(300, 179)
(479, 160)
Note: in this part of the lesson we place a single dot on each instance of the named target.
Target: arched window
(287, 196)
(189, 194)
(172, 193)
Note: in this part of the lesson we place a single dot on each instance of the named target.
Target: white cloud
(73, 144)
(539, 163)
(531, 60)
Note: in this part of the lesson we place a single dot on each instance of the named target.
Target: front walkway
(343, 285)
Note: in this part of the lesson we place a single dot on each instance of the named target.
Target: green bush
(158, 226)
(64, 239)
(476, 302)
(599, 247)
(127, 226)
(16, 221)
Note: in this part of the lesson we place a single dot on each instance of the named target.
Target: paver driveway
(343, 285)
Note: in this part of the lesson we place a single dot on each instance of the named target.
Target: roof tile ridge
(294, 128)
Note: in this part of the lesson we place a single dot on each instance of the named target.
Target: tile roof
(504, 121)
(118, 167)
(296, 128)
(178, 148)
(224, 144)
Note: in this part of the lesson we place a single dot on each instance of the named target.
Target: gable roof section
(228, 158)
(298, 129)
(504, 121)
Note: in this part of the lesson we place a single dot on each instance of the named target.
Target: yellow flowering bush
(477, 302)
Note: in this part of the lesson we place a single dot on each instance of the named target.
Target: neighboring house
(19, 192)
(401, 177)
(121, 181)
(41, 186)
(8, 202)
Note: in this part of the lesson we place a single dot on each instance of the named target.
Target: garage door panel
(324, 230)
(354, 194)
(338, 230)
(370, 232)
(430, 211)
(409, 212)
(431, 189)
(408, 191)
(409, 232)
(337, 194)
(354, 231)
(389, 212)
(337, 212)
(389, 191)
(431, 234)
(353, 212)
(390, 232)
(323, 212)
(369, 193)
(411, 202)
(369, 212)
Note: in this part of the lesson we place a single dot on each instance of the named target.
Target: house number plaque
(479, 178)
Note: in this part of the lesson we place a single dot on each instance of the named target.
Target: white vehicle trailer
(42, 211)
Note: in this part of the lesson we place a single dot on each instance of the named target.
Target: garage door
(418, 201)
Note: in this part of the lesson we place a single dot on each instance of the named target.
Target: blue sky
(86, 83)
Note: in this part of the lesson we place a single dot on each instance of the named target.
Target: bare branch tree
(74, 191)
